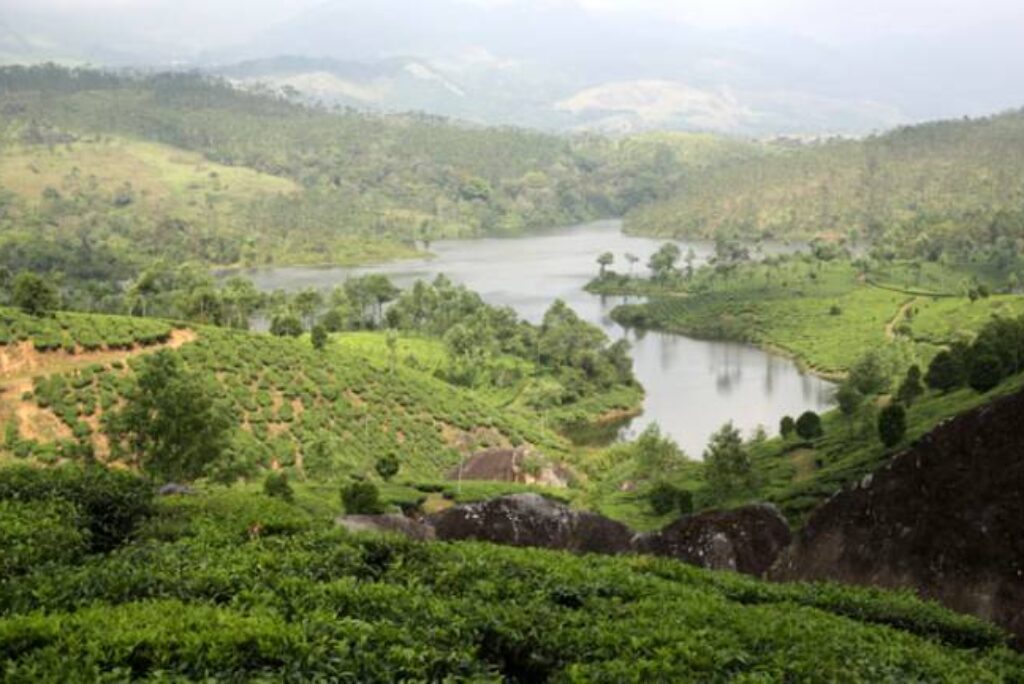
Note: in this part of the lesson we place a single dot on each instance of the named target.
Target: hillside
(230, 585)
(948, 188)
(323, 414)
(190, 168)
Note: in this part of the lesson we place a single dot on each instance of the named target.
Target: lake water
(693, 386)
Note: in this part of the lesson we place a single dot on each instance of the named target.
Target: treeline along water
(693, 386)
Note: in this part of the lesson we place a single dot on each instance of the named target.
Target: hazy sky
(828, 20)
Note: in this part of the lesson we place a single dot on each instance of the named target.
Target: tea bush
(201, 596)
(112, 503)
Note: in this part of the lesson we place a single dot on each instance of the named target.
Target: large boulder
(387, 524)
(533, 520)
(746, 540)
(944, 518)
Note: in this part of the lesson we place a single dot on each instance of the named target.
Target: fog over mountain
(780, 66)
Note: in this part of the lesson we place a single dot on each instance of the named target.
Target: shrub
(318, 337)
(945, 372)
(911, 387)
(985, 372)
(111, 502)
(361, 498)
(276, 485)
(286, 326)
(787, 426)
(666, 498)
(892, 424)
(808, 425)
(387, 466)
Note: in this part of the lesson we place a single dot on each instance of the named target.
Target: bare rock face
(746, 540)
(944, 518)
(389, 524)
(532, 520)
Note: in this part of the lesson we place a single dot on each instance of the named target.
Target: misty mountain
(552, 64)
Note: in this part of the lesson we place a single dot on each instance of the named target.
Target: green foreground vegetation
(236, 585)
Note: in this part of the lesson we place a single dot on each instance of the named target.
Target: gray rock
(944, 518)
(746, 540)
(175, 489)
(533, 520)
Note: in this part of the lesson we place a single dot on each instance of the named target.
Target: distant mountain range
(552, 64)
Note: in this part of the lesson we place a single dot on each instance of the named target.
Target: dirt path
(19, 363)
(901, 315)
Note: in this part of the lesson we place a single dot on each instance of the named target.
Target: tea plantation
(323, 413)
(195, 591)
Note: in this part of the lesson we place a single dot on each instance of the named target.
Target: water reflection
(693, 386)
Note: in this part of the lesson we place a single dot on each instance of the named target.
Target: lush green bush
(667, 498)
(325, 605)
(276, 485)
(33, 533)
(808, 425)
(361, 498)
(985, 371)
(892, 424)
(112, 503)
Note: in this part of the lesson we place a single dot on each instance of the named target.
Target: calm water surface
(693, 386)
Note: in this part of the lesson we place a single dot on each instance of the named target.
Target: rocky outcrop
(387, 524)
(532, 520)
(746, 540)
(511, 465)
(944, 518)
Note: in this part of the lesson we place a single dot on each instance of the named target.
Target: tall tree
(34, 295)
(171, 421)
(728, 463)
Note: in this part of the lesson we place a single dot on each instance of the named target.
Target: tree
(727, 463)
(604, 261)
(663, 262)
(849, 399)
(361, 498)
(286, 325)
(387, 467)
(171, 421)
(787, 426)
(911, 388)
(307, 303)
(985, 371)
(276, 485)
(657, 454)
(892, 424)
(869, 374)
(33, 294)
(632, 259)
(945, 372)
(318, 337)
(808, 425)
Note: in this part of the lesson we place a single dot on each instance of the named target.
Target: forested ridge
(362, 187)
(948, 188)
